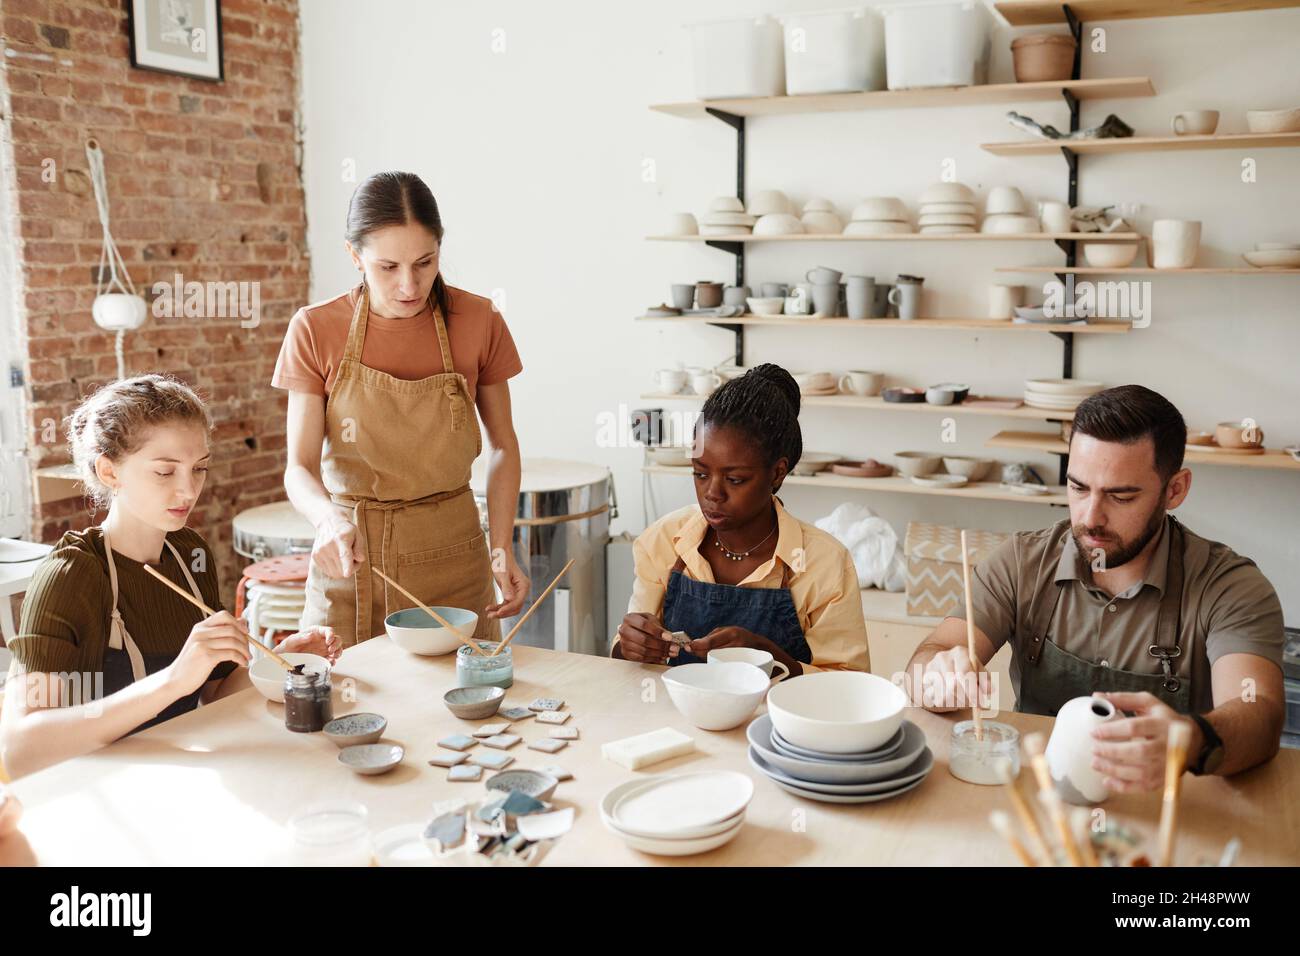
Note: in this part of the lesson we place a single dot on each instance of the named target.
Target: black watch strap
(1211, 755)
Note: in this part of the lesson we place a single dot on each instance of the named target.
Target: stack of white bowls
(820, 218)
(726, 217)
(839, 737)
(947, 209)
(678, 814)
(772, 216)
(1007, 214)
(1059, 394)
(879, 216)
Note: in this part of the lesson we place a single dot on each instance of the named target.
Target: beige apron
(399, 454)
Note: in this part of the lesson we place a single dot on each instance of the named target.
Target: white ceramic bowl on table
(837, 711)
(268, 676)
(717, 696)
(417, 633)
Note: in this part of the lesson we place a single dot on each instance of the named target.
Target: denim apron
(1051, 675)
(698, 607)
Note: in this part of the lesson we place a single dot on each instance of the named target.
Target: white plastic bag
(873, 543)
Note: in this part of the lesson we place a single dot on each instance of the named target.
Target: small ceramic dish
(862, 469)
(903, 394)
(766, 306)
(1110, 255)
(533, 783)
(1274, 258)
(1273, 121)
(811, 462)
(352, 729)
(973, 469)
(474, 703)
(1200, 438)
(946, 393)
(940, 481)
(371, 759)
(914, 463)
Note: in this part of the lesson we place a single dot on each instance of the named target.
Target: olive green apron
(398, 453)
(1049, 675)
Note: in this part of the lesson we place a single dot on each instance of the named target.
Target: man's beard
(1125, 551)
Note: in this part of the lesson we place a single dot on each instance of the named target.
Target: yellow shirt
(823, 586)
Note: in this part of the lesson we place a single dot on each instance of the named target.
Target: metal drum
(564, 512)
(268, 531)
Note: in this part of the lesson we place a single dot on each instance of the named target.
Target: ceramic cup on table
(683, 295)
(826, 298)
(858, 382)
(761, 659)
(774, 290)
(1069, 750)
(906, 297)
(858, 296)
(1195, 123)
(823, 276)
(736, 295)
(1003, 300)
(704, 383)
(670, 380)
(708, 295)
(1055, 217)
(1174, 243)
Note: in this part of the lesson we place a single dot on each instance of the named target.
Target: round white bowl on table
(268, 676)
(417, 633)
(717, 696)
(837, 711)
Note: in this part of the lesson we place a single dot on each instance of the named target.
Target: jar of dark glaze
(308, 706)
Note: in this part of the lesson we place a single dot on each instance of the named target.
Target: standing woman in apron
(383, 384)
(100, 637)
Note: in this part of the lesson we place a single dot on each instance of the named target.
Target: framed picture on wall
(177, 36)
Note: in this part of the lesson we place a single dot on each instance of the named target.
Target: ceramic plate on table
(759, 734)
(691, 833)
(846, 798)
(884, 752)
(671, 804)
(917, 770)
(659, 847)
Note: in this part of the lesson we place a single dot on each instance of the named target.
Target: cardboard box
(934, 585)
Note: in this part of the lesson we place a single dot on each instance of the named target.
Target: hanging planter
(117, 307)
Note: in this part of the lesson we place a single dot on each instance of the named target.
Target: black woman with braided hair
(736, 569)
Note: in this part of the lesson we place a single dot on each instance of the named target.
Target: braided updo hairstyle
(762, 404)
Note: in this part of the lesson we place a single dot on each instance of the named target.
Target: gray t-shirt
(1228, 606)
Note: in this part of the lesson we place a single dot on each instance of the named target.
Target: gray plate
(883, 752)
(816, 771)
(851, 798)
(917, 770)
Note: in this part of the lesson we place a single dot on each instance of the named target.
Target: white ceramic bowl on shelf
(1110, 255)
(913, 463)
(778, 224)
(837, 711)
(880, 208)
(768, 202)
(877, 227)
(1273, 121)
(766, 306)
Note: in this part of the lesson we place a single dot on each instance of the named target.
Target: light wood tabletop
(217, 786)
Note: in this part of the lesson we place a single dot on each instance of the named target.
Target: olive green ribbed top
(65, 618)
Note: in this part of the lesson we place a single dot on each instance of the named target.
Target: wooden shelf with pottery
(1143, 144)
(911, 237)
(986, 490)
(876, 403)
(58, 482)
(971, 325)
(1271, 458)
(1024, 13)
(1148, 271)
(1101, 89)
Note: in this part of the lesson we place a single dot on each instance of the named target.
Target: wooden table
(219, 784)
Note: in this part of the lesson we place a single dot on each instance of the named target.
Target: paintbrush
(1026, 815)
(529, 613)
(1002, 823)
(1180, 735)
(970, 639)
(1034, 746)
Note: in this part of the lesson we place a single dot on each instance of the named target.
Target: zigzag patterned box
(933, 551)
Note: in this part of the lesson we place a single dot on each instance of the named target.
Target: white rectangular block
(646, 749)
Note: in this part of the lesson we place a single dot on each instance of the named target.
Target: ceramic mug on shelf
(906, 297)
(823, 276)
(736, 295)
(1195, 123)
(683, 295)
(1003, 300)
(761, 659)
(826, 299)
(859, 296)
(1174, 243)
(708, 294)
(670, 380)
(705, 382)
(774, 290)
(1055, 217)
(856, 382)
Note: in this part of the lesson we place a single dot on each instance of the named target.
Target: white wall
(536, 155)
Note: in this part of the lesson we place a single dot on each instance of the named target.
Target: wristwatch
(1211, 755)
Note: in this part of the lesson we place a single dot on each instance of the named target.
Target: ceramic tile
(502, 741)
(457, 742)
(464, 772)
(515, 713)
(563, 733)
(493, 761)
(490, 730)
(556, 771)
(548, 745)
(447, 760)
(552, 716)
(546, 703)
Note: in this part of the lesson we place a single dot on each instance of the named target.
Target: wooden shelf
(1024, 13)
(1273, 458)
(986, 490)
(1143, 144)
(876, 403)
(1115, 88)
(1147, 271)
(911, 237)
(970, 325)
(58, 482)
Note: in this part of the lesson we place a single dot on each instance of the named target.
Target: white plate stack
(679, 814)
(727, 217)
(879, 216)
(269, 608)
(1059, 394)
(947, 209)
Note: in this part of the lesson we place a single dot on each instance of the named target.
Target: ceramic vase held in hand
(1069, 751)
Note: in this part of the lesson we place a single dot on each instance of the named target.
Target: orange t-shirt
(481, 347)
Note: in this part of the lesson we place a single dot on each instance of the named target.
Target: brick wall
(204, 181)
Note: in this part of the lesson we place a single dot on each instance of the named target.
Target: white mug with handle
(761, 659)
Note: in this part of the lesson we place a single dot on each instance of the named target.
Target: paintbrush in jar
(1034, 746)
(1180, 736)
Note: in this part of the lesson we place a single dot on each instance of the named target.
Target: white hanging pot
(1069, 751)
(117, 311)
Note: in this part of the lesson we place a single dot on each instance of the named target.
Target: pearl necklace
(741, 555)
